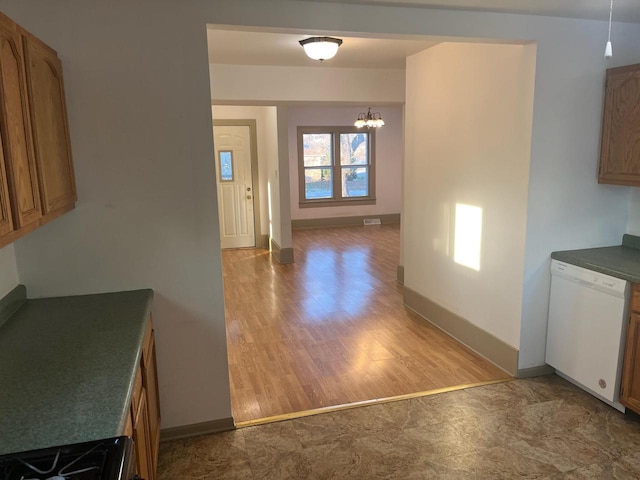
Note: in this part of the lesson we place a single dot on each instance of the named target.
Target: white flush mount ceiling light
(369, 120)
(608, 51)
(321, 48)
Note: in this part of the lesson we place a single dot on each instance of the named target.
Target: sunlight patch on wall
(468, 236)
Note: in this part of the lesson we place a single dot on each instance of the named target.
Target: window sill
(337, 203)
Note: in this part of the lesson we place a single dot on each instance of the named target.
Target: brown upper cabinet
(6, 222)
(16, 128)
(37, 181)
(50, 133)
(620, 142)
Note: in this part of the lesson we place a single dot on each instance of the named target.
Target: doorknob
(248, 197)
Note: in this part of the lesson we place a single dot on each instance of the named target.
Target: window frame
(336, 169)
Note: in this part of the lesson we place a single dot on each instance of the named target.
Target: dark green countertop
(622, 261)
(67, 366)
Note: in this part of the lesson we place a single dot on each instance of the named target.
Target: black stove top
(98, 460)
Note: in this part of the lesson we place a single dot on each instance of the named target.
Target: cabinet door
(16, 128)
(141, 439)
(50, 128)
(150, 381)
(6, 223)
(620, 142)
(630, 389)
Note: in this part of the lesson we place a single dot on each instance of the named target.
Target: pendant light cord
(610, 17)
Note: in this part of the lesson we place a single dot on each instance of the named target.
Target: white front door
(235, 188)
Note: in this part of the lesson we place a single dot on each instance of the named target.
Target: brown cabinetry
(145, 410)
(6, 223)
(50, 133)
(630, 388)
(620, 142)
(16, 128)
(150, 382)
(36, 174)
(142, 438)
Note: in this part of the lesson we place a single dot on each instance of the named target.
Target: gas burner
(109, 459)
(71, 470)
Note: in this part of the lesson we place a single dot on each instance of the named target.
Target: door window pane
(355, 182)
(318, 183)
(226, 166)
(354, 148)
(317, 149)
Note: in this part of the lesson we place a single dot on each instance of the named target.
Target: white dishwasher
(588, 315)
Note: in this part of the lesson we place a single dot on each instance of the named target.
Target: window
(336, 166)
(225, 158)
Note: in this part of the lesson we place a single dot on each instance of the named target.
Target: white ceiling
(623, 10)
(242, 47)
(246, 46)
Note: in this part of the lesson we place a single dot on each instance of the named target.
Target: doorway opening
(326, 327)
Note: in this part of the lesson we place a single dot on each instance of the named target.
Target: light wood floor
(331, 329)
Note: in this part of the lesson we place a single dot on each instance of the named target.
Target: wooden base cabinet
(150, 383)
(630, 389)
(142, 439)
(145, 410)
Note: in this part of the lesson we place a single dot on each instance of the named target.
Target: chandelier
(321, 48)
(369, 120)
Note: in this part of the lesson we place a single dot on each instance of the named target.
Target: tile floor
(543, 428)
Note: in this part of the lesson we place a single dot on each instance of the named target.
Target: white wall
(389, 156)
(137, 84)
(273, 83)
(267, 145)
(468, 136)
(634, 214)
(140, 118)
(567, 208)
(8, 270)
(279, 185)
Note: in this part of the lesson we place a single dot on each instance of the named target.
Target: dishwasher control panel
(589, 278)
